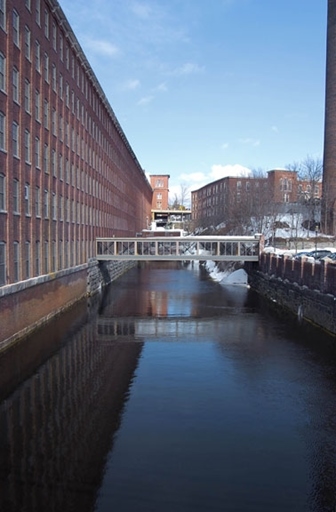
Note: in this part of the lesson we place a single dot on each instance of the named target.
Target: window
(61, 47)
(27, 146)
(16, 196)
(46, 114)
(54, 36)
(27, 96)
(46, 23)
(54, 122)
(61, 86)
(27, 47)
(27, 260)
(46, 256)
(38, 11)
(54, 78)
(53, 206)
(37, 202)
(38, 56)
(67, 94)
(15, 132)
(46, 204)
(53, 162)
(27, 198)
(53, 256)
(2, 131)
(37, 105)
(28, 4)
(16, 26)
(16, 261)
(16, 85)
(2, 193)
(37, 258)
(2, 263)
(46, 67)
(2, 71)
(46, 158)
(3, 14)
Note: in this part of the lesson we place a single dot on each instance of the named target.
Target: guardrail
(190, 248)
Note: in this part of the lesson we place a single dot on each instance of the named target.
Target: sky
(209, 88)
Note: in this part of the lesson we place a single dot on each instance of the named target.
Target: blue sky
(205, 88)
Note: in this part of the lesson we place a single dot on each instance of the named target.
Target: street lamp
(316, 231)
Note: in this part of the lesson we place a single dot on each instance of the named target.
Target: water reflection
(170, 393)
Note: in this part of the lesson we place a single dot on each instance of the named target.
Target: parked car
(330, 258)
(317, 254)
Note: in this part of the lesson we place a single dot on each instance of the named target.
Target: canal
(169, 393)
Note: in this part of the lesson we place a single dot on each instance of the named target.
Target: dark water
(173, 393)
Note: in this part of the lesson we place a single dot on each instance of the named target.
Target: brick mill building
(329, 158)
(220, 199)
(67, 171)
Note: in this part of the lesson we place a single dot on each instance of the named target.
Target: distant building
(226, 196)
(160, 186)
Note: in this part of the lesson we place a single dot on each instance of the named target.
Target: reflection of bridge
(168, 248)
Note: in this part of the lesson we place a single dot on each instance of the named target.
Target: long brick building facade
(67, 171)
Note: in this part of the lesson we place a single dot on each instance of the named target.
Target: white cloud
(219, 171)
(145, 100)
(102, 47)
(250, 142)
(187, 69)
(192, 177)
(132, 84)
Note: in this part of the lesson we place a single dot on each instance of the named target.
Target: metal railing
(217, 248)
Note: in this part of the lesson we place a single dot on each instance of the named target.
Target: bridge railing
(218, 248)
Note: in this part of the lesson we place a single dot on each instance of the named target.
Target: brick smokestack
(329, 159)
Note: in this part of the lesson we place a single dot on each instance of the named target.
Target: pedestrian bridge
(188, 248)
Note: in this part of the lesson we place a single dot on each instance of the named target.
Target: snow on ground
(237, 277)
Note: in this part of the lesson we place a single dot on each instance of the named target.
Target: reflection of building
(58, 427)
(220, 198)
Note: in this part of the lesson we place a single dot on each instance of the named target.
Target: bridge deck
(189, 248)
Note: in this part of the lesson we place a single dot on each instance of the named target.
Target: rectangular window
(37, 258)
(61, 86)
(16, 196)
(27, 259)
(3, 14)
(2, 263)
(27, 96)
(16, 261)
(37, 105)
(54, 36)
(37, 153)
(46, 257)
(38, 11)
(27, 46)
(46, 158)
(28, 4)
(37, 202)
(2, 131)
(46, 114)
(46, 204)
(54, 78)
(27, 146)
(16, 28)
(15, 132)
(38, 56)
(27, 198)
(54, 122)
(2, 193)
(16, 81)
(46, 67)
(53, 207)
(2, 71)
(53, 163)
(46, 23)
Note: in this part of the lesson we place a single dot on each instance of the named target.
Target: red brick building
(160, 186)
(67, 171)
(222, 198)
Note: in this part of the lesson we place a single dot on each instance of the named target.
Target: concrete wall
(27, 304)
(307, 290)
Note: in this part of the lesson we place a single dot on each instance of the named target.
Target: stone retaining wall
(27, 304)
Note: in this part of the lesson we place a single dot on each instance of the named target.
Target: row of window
(72, 57)
(53, 257)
